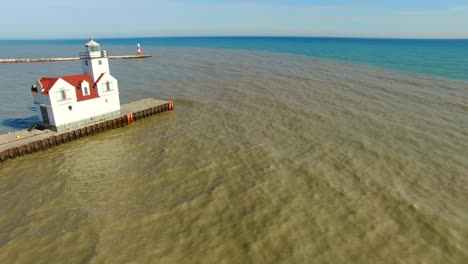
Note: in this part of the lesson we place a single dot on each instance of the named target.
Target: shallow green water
(267, 158)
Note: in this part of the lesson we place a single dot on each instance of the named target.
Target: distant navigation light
(139, 50)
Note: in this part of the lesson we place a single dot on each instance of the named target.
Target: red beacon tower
(139, 50)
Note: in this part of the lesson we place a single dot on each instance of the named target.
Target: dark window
(86, 62)
(100, 62)
(108, 86)
(63, 95)
(70, 107)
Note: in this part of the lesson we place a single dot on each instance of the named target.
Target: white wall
(84, 110)
(59, 112)
(108, 102)
(60, 84)
(102, 89)
(94, 69)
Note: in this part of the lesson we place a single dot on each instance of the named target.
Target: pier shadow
(20, 123)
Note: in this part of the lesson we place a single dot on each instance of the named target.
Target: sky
(58, 19)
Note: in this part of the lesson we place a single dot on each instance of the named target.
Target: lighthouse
(69, 102)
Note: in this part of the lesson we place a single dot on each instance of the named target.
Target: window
(86, 62)
(70, 108)
(107, 86)
(63, 95)
(84, 88)
(100, 62)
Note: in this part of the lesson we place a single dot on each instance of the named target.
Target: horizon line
(236, 36)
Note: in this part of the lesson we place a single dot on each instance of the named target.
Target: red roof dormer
(75, 81)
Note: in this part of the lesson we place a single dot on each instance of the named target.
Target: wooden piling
(37, 146)
(13, 153)
(58, 139)
(4, 156)
(21, 150)
(29, 148)
(65, 137)
(45, 144)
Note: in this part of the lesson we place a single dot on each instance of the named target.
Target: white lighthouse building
(73, 101)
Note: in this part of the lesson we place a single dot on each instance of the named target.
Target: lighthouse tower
(94, 61)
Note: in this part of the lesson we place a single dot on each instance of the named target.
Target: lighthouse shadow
(20, 123)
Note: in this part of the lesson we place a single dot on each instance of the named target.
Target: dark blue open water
(442, 58)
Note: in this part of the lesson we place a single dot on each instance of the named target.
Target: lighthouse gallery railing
(86, 55)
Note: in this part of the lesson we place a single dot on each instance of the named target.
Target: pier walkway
(23, 142)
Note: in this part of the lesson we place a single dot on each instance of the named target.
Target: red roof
(47, 83)
(75, 81)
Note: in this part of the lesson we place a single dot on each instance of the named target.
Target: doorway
(45, 115)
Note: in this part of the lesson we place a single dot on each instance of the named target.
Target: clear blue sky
(24, 19)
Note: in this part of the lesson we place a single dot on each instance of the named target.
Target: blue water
(439, 58)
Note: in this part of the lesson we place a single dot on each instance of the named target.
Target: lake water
(271, 156)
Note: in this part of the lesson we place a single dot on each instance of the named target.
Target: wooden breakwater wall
(30, 60)
(45, 142)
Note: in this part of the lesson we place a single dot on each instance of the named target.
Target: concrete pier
(29, 60)
(23, 142)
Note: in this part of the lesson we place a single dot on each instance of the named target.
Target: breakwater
(31, 60)
(20, 143)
